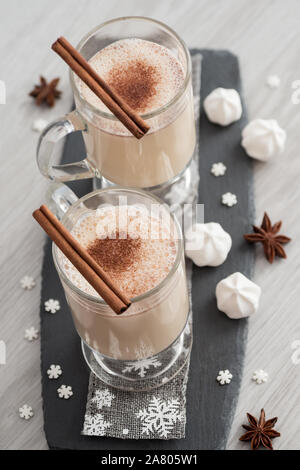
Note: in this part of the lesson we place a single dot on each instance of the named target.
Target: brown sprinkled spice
(115, 255)
(267, 235)
(135, 83)
(46, 92)
(260, 432)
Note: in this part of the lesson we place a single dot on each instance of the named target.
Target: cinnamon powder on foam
(115, 255)
(136, 264)
(135, 83)
(145, 74)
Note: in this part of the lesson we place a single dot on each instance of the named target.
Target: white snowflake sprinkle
(260, 376)
(27, 282)
(39, 125)
(95, 425)
(160, 416)
(54, 372)
(52, 306)
(218, 169)
(273, 81)
(296, 354)
(103, 398)
(165, 380)
(224, 377)
(26, 412)
(65, 391)
(229, 199)
(125, 432)
(31, 334)
(142, 366)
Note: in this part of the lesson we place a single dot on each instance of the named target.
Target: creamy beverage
(148, 76)
(138, 249)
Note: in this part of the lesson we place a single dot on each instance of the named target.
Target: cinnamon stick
(83, 253)
(82, 261)
(110, 91)
(131, 120)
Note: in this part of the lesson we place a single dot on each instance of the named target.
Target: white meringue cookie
(223, 106)
(263, 138)
(207, 244)
(237, 296)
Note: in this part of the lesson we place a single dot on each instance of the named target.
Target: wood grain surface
(264, 34)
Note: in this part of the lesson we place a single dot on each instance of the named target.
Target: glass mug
(114, 157)
(147, 345)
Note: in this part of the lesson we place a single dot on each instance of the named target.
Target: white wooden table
(265, 35)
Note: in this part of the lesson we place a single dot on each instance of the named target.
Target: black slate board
(218, 341)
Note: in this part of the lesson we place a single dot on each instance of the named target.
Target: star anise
(260, 432)
(267, 235)
(46, 92)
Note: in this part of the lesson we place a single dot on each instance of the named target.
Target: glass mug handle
(59, 198)
(47, 141)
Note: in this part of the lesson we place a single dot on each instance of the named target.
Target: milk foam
(153, 260)
(121, 55)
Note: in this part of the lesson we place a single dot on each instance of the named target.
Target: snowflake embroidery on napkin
(160, 416)
(54, 371)
(125, 432)
(103, 398)
(26, 412)
(31, 334)
(95, 425)
(65, 391)
(218, 169)
(142, 366)
(229, 199)
(27, 282)
(224, 377)
(260, 376)
(52, 306)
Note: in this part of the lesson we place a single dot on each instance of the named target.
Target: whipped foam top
(135, 248)
(146, 75)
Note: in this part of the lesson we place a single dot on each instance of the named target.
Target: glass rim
(140, 297)
(157, 111)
